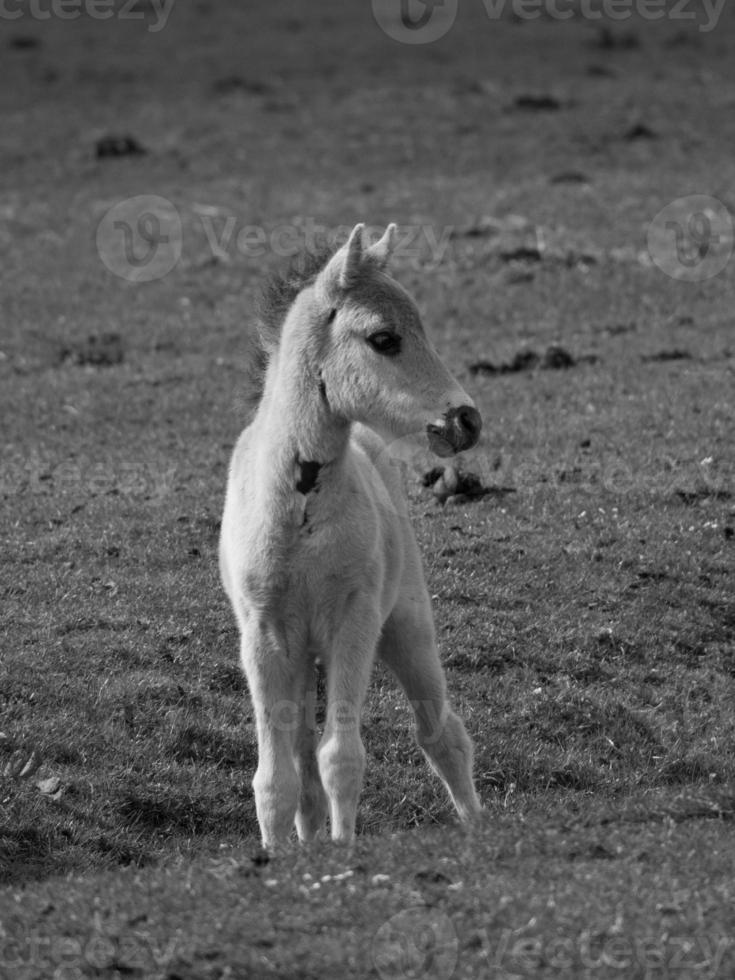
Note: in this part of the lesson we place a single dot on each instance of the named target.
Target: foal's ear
(352, 260)
(343, 269)
(382, 250)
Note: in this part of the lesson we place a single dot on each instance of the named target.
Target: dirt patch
(105, 350)
(554, 358)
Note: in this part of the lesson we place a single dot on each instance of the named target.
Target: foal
(317, 553)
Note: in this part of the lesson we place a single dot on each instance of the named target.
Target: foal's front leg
(273, 679)
(341, 753)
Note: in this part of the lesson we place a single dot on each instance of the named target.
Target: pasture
(584, 604)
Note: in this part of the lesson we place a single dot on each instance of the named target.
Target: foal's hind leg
(408, 647)
(311, 812)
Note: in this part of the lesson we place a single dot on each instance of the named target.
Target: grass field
(585, 605)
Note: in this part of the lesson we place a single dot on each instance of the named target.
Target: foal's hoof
(471, 818)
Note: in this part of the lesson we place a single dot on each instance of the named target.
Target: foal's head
(374, 362)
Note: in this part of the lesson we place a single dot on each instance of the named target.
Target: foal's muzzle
(459, 430)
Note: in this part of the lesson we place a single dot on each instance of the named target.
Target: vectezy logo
(691, 239)
(424, 17)
(415, 21)
(416, 944)
(139, 239)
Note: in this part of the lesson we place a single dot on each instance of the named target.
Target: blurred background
(588, 117)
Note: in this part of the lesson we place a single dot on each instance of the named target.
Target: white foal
(317, 553)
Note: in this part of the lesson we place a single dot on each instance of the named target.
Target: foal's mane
(281, 289)
(272, 304)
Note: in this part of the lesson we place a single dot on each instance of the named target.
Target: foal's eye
(385, 342)
(332, 314)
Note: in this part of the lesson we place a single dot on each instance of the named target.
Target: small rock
(537, 103)
(569, 177)
(236, 83)
(521, 253)
(118, 146)
(430, 876)
(23, 42)
(104, 350)
(453, 486)
(676, 354)
(610, 40)
(451, 479)
(616, 329)
(440, 490)
(640, 131)
(50, 786)
(431, 476)
(518, 276)
(601, 71)
(378, 880)
(488, 226)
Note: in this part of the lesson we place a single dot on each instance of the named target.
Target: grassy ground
(585, 612)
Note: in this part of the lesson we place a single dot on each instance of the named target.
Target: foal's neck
(298, 424)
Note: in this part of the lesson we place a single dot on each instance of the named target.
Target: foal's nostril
(471, 422)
